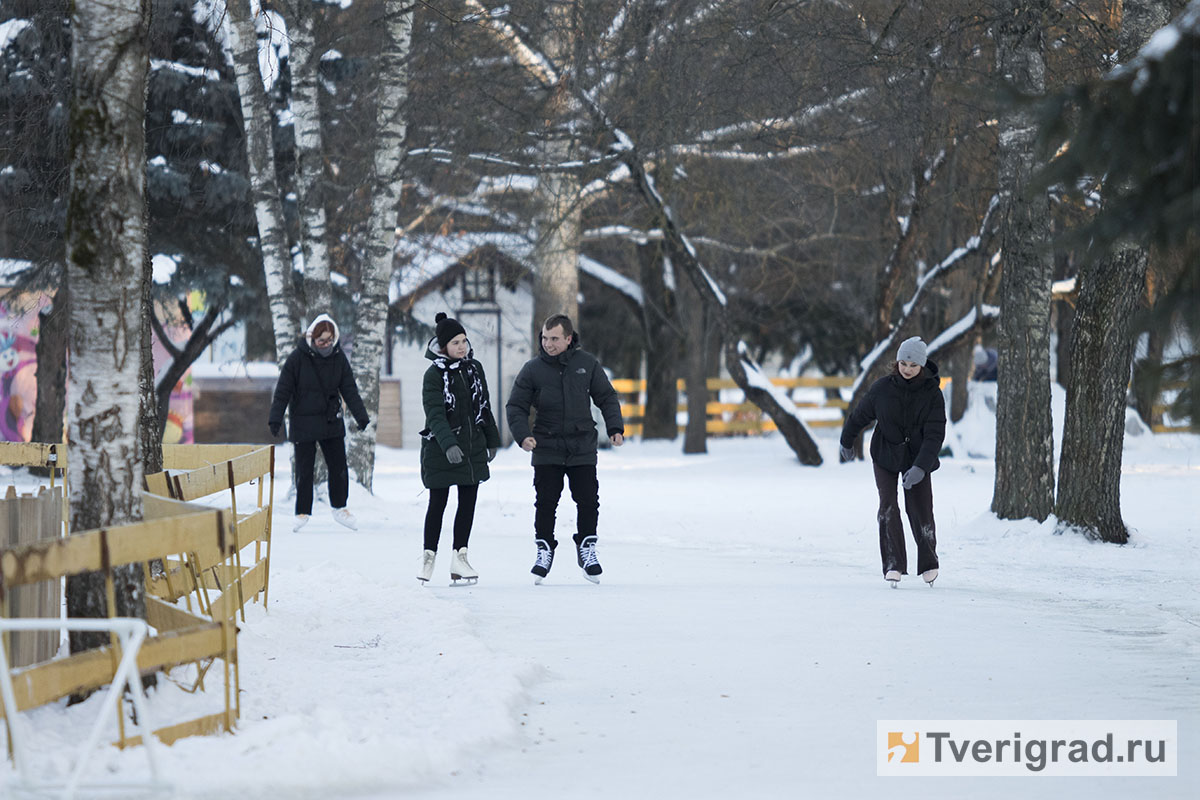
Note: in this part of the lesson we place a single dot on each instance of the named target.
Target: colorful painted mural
(18, 364)
(18, 372)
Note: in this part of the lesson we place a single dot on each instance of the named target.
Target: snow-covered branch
(956, 259)
(532, 61)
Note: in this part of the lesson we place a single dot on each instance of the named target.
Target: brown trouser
(918, 505)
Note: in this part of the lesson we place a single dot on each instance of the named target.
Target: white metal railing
(132, 633)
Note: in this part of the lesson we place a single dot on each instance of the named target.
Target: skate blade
(537, 579)
(459, 580)
(894, 584)
(423, 580)
(593, 578)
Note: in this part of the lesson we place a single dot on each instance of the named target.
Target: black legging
(463, 517)
(918, 506)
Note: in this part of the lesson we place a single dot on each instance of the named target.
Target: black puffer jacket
(562, 389)
(312, 387)
(910, 417)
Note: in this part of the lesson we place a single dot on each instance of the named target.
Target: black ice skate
(545, 557)
(586, 555)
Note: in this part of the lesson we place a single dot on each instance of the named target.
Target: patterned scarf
(479, 399)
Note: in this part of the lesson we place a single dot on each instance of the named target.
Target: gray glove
(492, 452)
(913, 476)
(455, 454)
(846, 453)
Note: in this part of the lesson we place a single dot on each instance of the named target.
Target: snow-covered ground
(741, 643)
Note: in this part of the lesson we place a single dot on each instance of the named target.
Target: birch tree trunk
(258, 123)
(310, 156)
(558, 222)
(369, 329)
(1024, 484)
(106, 245)
(1110, 288)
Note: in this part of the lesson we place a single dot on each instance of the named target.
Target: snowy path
(769, 676)
(742, 640)
(699, 667)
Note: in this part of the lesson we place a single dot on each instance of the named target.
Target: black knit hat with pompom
(447, 329)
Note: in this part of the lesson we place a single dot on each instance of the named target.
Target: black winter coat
(446, 427)
(562, 389)
(313, 386)
(910, 421)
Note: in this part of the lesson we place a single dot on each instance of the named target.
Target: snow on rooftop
(430, 256)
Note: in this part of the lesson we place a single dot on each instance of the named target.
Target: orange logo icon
(903, 747)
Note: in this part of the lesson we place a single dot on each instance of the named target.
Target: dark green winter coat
(562, 389)
(463, 417)
(910, 419)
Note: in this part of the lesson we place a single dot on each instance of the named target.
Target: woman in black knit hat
(460, 438)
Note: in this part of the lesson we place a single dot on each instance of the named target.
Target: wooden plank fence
(28, 519)
(197, 472)
(727, 419)
(203, 541)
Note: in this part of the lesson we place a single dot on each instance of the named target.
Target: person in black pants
(910, 415)
(314, 381)
(561, 384)
(460, 438)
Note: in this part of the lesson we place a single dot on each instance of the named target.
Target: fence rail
(726, 419)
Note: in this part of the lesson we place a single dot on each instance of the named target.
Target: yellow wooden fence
(727, 419)
(204, 541)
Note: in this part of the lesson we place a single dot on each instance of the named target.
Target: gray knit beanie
(913, 350)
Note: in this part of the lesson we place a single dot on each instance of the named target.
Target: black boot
(545, 558)
(585, 554)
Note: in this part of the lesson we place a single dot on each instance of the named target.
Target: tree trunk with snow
(695, 363)
(51, 350)
(152, 415)
(305, 62)
(1024, 485)
(683, 255)
(558, 215)
(106, 239)
(660, 323)
(1110, 289)
(258, 123)
(372, 305)
(1147, 372)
